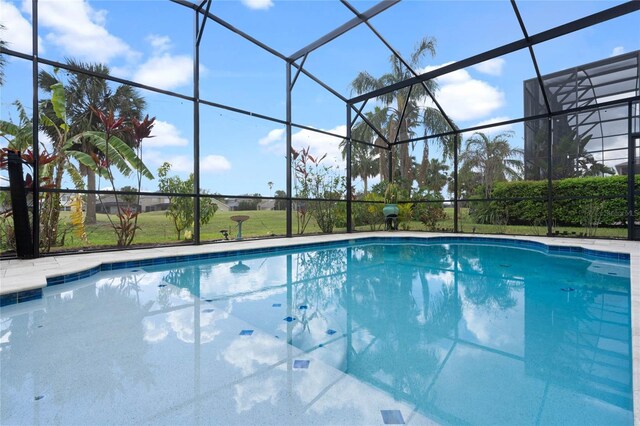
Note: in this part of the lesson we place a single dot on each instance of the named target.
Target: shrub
(405, 215)
(369, 214)
(430, 210)
(566, 212)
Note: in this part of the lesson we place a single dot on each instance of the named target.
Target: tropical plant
(315, 181)
(182, 209)
(77, 217)
(369, 213)
(433, 175)
(429, 209)
(416, 115)
(405, 215)
(391, 193)
(86, 93)
(109, 150)
(469, 180)
(368, 161)
(569, 155)
(56, 162)
(493, 158)
(3, 61)
(59, 129)
(19, 136)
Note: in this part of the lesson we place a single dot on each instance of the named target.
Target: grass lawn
(156, 227)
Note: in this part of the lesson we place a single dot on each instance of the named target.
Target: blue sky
(151, 42)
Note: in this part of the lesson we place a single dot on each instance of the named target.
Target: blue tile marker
(392, 417)
(301, 363)
(246, 332)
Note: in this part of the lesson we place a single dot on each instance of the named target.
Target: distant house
(623, 168)
(267, 205)
(148, 203)
(65, 202)
(232, 203)
(222, 207)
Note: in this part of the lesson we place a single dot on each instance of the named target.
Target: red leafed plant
(134, 132)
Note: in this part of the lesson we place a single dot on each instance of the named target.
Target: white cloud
(618, 50)
(159, 42)
(165, 71)
(17, 29)
(214, 164)
(258, 4)
(184, 163)
(492, 130)
(319, 143)
(79, 30)
(165, 134)
(465, 98)
(491, 67)
(179, 163)
(274, 135)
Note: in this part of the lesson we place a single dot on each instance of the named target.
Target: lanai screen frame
(202, 14)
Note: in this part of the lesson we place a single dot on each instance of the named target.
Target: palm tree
(416, 114)
(84, 91)
(433, 176)
(494, 159)
(367, 161)
(3, 61)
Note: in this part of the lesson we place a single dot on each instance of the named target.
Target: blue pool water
(360, 333)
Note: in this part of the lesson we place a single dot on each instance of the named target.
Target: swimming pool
(363, 332)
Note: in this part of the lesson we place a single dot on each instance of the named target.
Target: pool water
(361, 333)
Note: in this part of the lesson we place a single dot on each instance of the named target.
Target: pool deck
(25, 275)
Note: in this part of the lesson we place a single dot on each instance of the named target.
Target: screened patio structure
(576, 128)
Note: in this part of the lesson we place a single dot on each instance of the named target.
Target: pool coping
(25, 279)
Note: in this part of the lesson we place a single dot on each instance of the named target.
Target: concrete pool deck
(25, 275)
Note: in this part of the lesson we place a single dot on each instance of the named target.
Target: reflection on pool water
(358, 334)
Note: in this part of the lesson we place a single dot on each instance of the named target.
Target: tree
(434, 175)
(249, 203)
(129, 198)
(416, 115)
(367, 161)
(493, 158)
(84, 92)
(571, 159)
(181, 209)
(280, 204)
(3, 61)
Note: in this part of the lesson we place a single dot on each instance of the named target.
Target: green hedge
(584, 212)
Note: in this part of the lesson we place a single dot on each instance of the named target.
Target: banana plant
(61, 159)
(114, 152)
